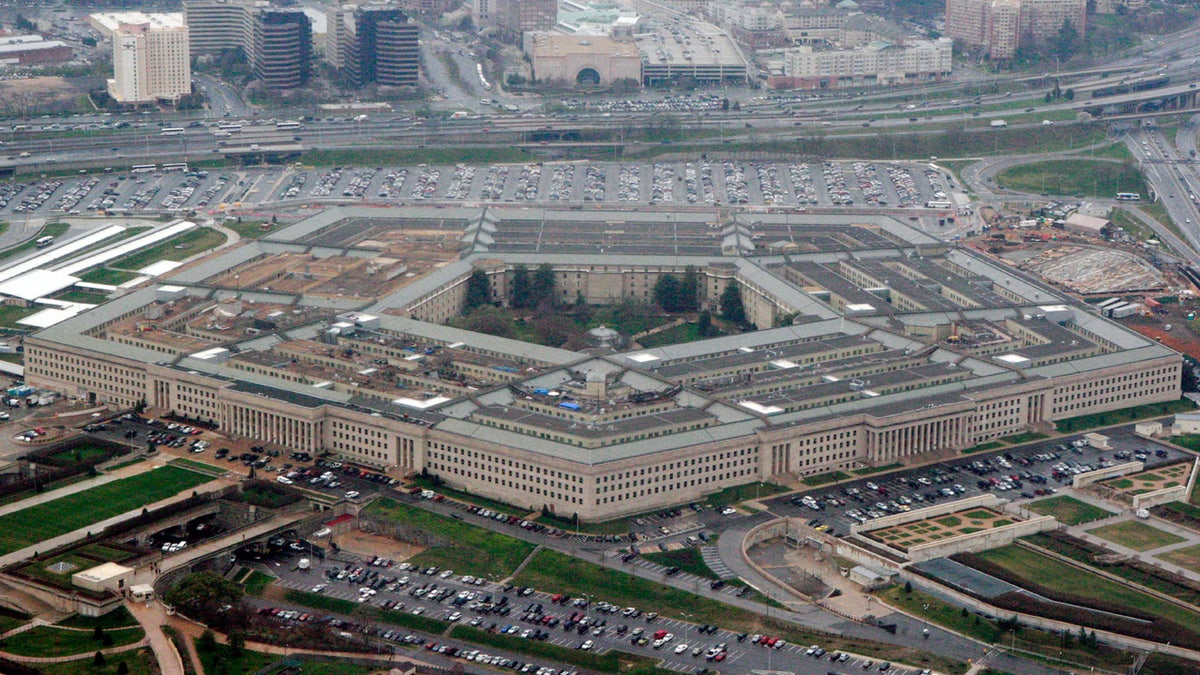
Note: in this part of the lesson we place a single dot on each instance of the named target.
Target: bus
(43, 242)
(1128, 197)
(143, 168)
(936, 204)
(287, 125)
(231, 127)
(171, 131)
(178, 166)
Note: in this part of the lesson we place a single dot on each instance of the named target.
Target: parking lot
(1017, 474)
(695, 183)
(532, 614)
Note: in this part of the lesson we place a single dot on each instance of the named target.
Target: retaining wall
(1082, 479)
(981, 541)
(1145, 500)
(987, 500)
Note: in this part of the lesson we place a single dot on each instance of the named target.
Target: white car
(353, 494)
(729, 511)
(586, 645)
(318, 588)
(681, 648)
(454, 617)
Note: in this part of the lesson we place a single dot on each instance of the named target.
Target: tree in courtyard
(668, 293)
(203, 594)
(98, 660)
(704, 324)
(543, 286)
(689, 289)
(237, 643)
(207, 641)
(479, 291)
(521, 288)
(732, 309)
(123, 668)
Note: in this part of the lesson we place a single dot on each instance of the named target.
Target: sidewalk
(152, 618)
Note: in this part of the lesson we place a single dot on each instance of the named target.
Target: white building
(150, 56)
(877, 63)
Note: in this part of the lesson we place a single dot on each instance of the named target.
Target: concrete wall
(1171, 494)
(981, 501)
(981, 541)
(1082, 479)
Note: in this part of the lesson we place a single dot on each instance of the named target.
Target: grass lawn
(80, 453)
(1136, 535)
(1073, 176)
(137, 661)
(1068, 510)
(1048, 572)
(870, 470)
(740, 493)
(103, 275)
(687, 332)
(256, 583)
(251, 229)
(686, 559)
(1123, 416)
(983, 447)
(824, 478)
(118, 618)
(51, 641)
(467, 497)
(1187, 557)
(221, 660)
(11, 618)
(11, 314)
(29, 526)
(50, 230)
(176, 248)
(1026, 437)
(468, 549)
(202, 467)
(83, 297)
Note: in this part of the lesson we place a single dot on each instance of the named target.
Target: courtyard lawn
(41, 522)
(468, 549)
(1136, 535)
(137, 662)
(1050, 573)
(176, 248)
(1068, 510)
(51, 641)
(1187, 557)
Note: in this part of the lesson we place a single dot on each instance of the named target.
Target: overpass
(1177, 97)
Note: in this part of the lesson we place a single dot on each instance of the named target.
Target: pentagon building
(875, 344)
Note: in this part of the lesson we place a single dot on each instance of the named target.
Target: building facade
(374, 45)
(1004, 26)
(959, 352)
(31, 50)
(151, 62)
(877, 63)
(517, 17)
(277, 43)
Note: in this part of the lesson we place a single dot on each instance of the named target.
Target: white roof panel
(36, 284)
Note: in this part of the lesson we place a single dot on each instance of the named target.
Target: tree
(123, 668)
(521, 288)
(207, 641)
(479, 291)
(98, 660)
(1066, 42)
(203, 594)
(1069, 94)
(668, 293)
(488, 319)
(98, 633)
(237, 643)
(689, 290)
(732, 309)
(908, 587)
(704, 324)
(543, 285)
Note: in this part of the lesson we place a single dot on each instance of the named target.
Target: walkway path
(152, 618)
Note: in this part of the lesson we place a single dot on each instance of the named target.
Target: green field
(83, 297)
(1136, 535)
(51, 641)
(38, 523)
(1026, 437)
(103, 275)
(79, 453)
(1080, 176)
(1068, 510)
(11, 618)
(176, 248)
(468, 549)
(686, 559)
(1050, 573)
(221, 660)
(256, 583)
(137, 662)
(870, 470)
(826, 478)
(741, 493)
(1187, 557)
(118, 618)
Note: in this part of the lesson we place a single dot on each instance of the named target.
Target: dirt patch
(40, 94)
(366, 544)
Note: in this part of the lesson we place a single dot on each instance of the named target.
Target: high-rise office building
(150, 56)
(277, 42)
(373, 45)
(1003, 26)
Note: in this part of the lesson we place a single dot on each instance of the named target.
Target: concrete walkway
(1190, 538)
(152, 618)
